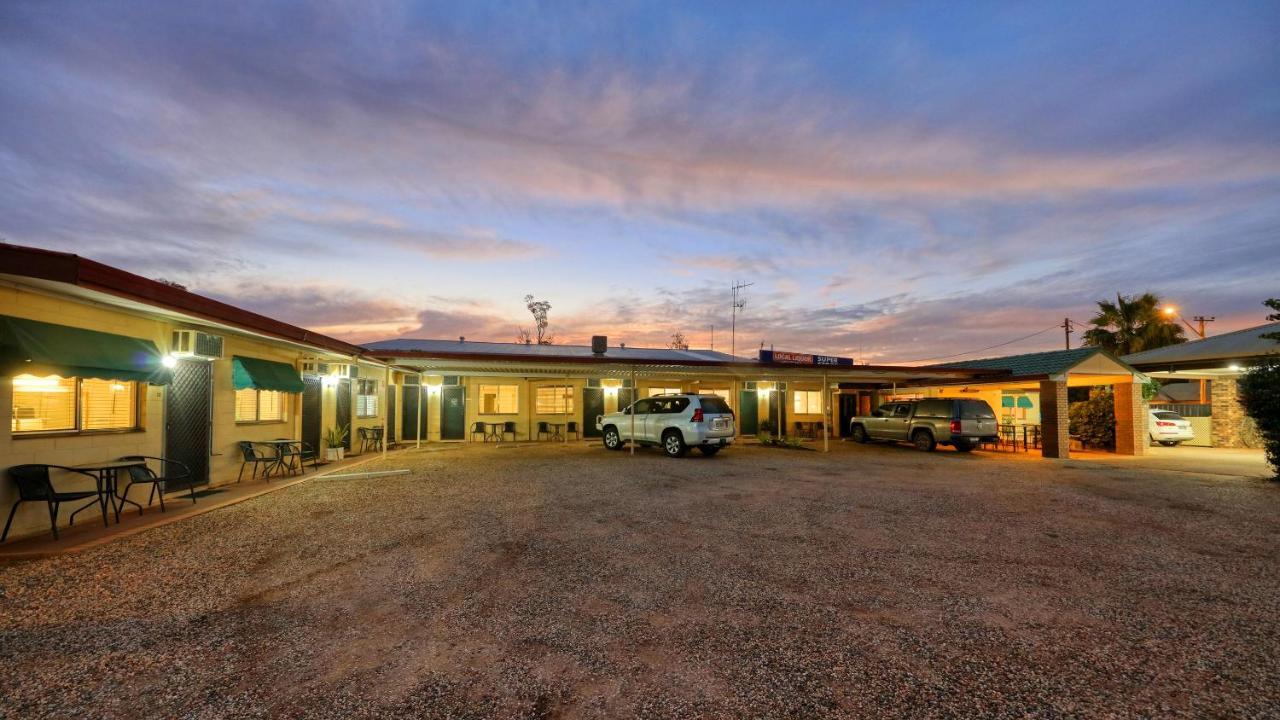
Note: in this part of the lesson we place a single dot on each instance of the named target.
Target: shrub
(1259, 393)
(1094, 420)
(766, 427)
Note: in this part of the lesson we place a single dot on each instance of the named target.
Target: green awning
(252, 373)
(1006, 401)
(30, 347)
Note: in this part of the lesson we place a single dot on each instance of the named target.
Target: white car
(673, 422)
(1169, 428)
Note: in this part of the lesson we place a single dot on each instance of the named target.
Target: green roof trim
(252, 373)
(31, 347)
(1038, 364)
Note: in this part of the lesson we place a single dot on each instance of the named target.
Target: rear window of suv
(976, 410)
(715, 405)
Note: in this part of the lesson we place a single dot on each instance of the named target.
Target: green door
(748, 412)
(453, 415)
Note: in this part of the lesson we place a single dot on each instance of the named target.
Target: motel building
(97, 363)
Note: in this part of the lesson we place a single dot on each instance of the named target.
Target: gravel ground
(553, 582)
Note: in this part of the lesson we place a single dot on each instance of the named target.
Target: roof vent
(622, 346)
(599, 344)
(462, 338)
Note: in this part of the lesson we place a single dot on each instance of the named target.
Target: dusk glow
(898, 183)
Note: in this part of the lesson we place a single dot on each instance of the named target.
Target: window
(553, 400)
(722, 392)
(366, 398)
(664, 391)
(807, 402)
(669, 406)
(715, 405)
(259, 405)
(57, 404)
(901, 411)
(642, 407)
(499, 399)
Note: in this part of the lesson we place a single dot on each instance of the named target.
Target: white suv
(674, 422)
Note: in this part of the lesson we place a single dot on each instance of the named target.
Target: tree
(539, 309)
(1274, 304)
(678, 341)
(1094, 420)
(1132, 324)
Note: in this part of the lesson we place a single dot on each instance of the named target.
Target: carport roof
(418, 346)
(1031, 365)
(1211, 352)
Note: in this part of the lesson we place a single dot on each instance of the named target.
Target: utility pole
(737, 305)
(1066, 331)
(713, 337)
(1200, 321)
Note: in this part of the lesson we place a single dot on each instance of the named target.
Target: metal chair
(571, 427)
(296, 455)
(172, 472)
(544, 429)
(34, 485)
(821, 428)
(478, 428)
(800, 431)
(250, 453)
(509, 428)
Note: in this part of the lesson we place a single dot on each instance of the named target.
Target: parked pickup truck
(961, 423)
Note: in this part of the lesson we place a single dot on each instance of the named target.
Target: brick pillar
(1131, 419)
(1226, 415)
(1054, 440)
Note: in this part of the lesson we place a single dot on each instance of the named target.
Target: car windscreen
(715, 405)
(976, 410)
(1166, 415)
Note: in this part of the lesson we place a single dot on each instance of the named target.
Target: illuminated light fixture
(433, 389)
(328, 380)
(763, 387)
(1233, 367)
(169, 361)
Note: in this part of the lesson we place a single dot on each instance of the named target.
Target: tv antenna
(738, 303)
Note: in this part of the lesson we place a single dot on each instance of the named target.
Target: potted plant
(334, 437)
(766, 428)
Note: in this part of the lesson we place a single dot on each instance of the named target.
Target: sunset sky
(900, 181)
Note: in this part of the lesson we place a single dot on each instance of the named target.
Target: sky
(899, 181)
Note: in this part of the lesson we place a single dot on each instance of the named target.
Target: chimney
(462, 338)
(599, 344)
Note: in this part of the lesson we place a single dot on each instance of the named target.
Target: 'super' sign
(794, 358)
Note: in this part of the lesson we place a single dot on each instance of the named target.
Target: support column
(1226, 416)
(1054, 439)
(1131, 419)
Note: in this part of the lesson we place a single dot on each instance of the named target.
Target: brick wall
(1228, 417)
(1131, 419)
(1053, 419)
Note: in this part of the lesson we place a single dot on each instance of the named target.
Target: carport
(620, 374)
(1043, 378)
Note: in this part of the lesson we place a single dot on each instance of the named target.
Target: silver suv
(674, 422)
(927, 423)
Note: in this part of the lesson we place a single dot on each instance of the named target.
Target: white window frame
(78, 413)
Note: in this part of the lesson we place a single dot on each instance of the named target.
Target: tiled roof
(1030, 364)
(1238, 345)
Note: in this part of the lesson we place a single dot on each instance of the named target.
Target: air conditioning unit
(195, 344)
(310, 367)
(338, 370)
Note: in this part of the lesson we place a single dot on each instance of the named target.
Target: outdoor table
(108, 474)
(493, 430)
(280, 445)
(557, 431)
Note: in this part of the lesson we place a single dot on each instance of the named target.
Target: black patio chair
(800, 431)
(571, 428)
(34, 485)
(544, 429)
(171, 471)
(296, 455)
(251, 454)
(509, 428)
(821, 428)
(478, 428)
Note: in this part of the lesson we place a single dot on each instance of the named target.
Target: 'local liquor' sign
(793, 358)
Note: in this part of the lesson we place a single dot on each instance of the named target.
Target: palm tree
(1132, 324)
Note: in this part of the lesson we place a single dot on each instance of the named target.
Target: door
(636, 418)
(848, 411)
(311, 412)
(748, 412)
(453, 414)
(778, 411)
(188, 416)
(896, 426)
(342, 408)
(592, 406)
(412, 416)
(391, 415)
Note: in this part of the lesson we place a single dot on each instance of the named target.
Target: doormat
(199, 493)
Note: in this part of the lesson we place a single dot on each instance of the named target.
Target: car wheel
(673, 444)
(923, 441)
(859, 434)
(964, 445)
(612, 439)
(1169, 443)
(708, 450)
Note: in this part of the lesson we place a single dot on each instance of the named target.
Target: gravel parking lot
(573, 582)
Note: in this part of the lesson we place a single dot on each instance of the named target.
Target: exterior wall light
(329, 380)
(433, 389)
(1233, 368)
(169, 361)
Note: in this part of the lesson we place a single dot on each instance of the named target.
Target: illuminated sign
(794, 358)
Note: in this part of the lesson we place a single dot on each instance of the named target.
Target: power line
(1055, 326)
